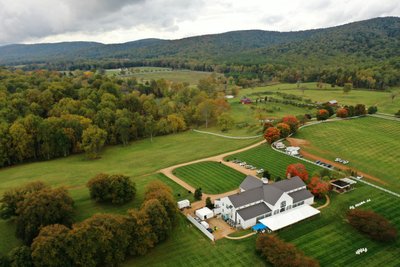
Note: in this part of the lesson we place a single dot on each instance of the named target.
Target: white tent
(183, 204)
(205, 224)
(289, 217)
(204, 213)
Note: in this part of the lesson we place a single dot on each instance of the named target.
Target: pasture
(382, 99)
(331, 240)
(370, 144)
(212, 177)
(140, 160)
(276, 163)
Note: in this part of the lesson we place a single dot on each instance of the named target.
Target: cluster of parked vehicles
(248, 166)
(342, 161)
(324, 164)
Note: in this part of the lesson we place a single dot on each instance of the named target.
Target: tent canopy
(259, 227)
(289, 217)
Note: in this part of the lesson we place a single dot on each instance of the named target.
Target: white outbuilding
(204, 213)
(183, 204)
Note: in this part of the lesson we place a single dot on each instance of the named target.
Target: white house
(258, 200)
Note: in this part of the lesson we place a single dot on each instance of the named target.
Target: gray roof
(253, 211)
(271, 194)
(250, 182)
(289, 184)
(247, 197)
(300, 195)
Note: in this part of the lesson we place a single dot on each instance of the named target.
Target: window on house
(283, 204)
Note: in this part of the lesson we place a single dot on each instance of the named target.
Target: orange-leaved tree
(284, 128)
(292, 121)
(342, 113)
(322, 114)
(297, 169)
(318, 187)
(272, 134)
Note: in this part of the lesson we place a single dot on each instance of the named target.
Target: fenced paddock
(201, 228)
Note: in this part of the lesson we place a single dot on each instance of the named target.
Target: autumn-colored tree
(272, 134)
(266, 125)
(373, 225)
(318, 187)
(117, 189)
(12, 197)
(284, 129)
(93, 139)
(279, 253)
(157, 218)
(52, 241)
(322, 115)
(342, 113)
(41, 208)
(292, 121)
(360, 110)
(163, 193)
(297, 169)
(141, 236)
(176, 123)
(21, 141)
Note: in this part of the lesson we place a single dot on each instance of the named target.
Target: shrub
(280, 253)
(359, 110)
(292, 121)
(209, 204)
(342, 113)
(117, 189)
(198, 194)
(372, 224)
(322, 114)
(372, 109)
(272, 134)
(397, 114)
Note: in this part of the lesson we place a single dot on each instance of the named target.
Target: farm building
(275, 205)
(293, 150)
(246, 100)
(183, 204)
(204, 213)
(342, 185)
(332, 103)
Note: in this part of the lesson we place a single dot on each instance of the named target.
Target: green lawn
(139, 160)
(367, 97)
(370, 144)
(187, 246)
(211, 177)
(331, 240)
(276, 163)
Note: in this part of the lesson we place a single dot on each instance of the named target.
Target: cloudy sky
(113, 21)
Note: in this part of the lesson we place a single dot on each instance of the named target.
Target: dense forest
(48, 114)
(364, 53)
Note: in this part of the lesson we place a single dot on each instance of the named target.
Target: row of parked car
(324, 164)
(248, 166)
(342, 161)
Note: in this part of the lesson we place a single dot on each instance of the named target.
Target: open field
(370, 144)
(276, 163)
(367, 97)
(139, 160)
(331, 240)
(144, 74)
(211, 177)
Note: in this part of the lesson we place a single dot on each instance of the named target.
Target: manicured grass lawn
(187, 246)
(211, 177)
(367, 97)
(370, 144)
(331, 240)
(276, 163)
(139, 160)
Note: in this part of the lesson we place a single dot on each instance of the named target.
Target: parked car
(260, 171)
(317, 161)
(248, 166)
(253, 168)
(243, 163)
(210, 230)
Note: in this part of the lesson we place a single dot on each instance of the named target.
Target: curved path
(328, 201)
(227, 136)
(240, 237)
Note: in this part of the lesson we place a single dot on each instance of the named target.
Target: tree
(318, 187)
(21, 257)
(292, 121)
(93, 139)
(272, 134)
(347, 87)
(372, 109)
(372, 224)
(284, 129)
(176, 123)
(225, 122)
(209, 204)
(12, 197)
(329, 108)
(206, 110)
(198, 194)
(41, 208)
(21, 141)
(150, 127)
(393, 95)
(52, 241)
(359, 110)
(322, 114)
(157, 218)
(266, 174)
(342, 113)
(297, 169)
(163, 193)
(117, 189)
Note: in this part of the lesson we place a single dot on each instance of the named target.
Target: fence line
(201, 228)
(226, 136)
(376, 186)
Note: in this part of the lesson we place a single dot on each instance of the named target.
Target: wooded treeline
(46, 114)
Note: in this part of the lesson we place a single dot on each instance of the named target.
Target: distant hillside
(375, 39)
